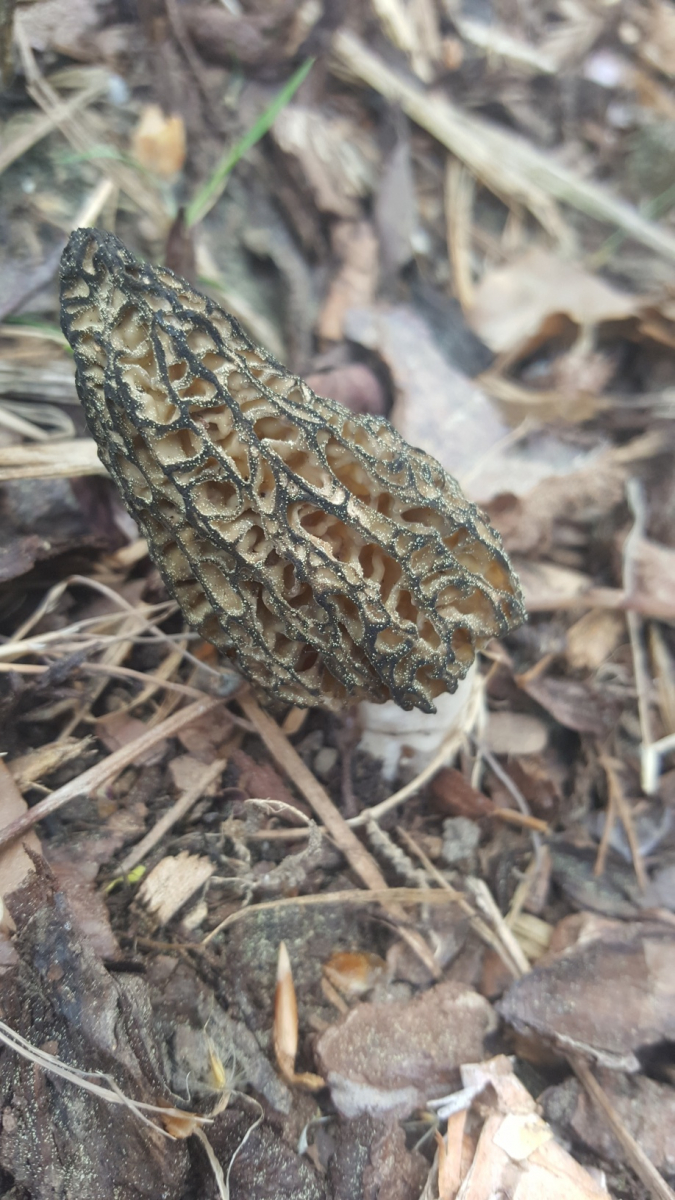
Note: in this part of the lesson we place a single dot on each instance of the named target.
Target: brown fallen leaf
(454, 796)
(15, 862)
(436, 406)
(337, 156)
(158, 142)
(516, 1153)
(579, 705)
(118, 729)
(43, 760)
(653, 569)
(593, 638)
(355, 246)
(512, 303)
(532, 524)
(515, 733)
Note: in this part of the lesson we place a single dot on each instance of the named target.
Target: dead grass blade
(50, 460)
(106, 770)
(82, 136)
(41, 125)
(504, 162)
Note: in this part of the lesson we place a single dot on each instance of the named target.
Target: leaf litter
(476, 922)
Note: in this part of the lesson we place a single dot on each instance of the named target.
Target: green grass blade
(211, 191)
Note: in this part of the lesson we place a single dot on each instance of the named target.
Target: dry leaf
(30, 768)
(571, 997)
(533, 523)
(436, 407)
(576, 705)
(119, 729)
(354, 973)
(158, 142)
(594, 637)
(15, 863)
(63, 26)
(517, 1154)
(515, 733)
(653, 590)
(512, 303)
(338, 159)
(647, 1109)
(455, 797)
(657, 44)
(355, 283)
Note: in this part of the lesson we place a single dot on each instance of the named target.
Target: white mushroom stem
(409, 740)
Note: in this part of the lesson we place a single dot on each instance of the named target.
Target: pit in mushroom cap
(330, 559)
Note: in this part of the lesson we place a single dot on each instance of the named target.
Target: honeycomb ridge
(331, 560)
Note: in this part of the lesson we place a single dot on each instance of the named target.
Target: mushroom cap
(331, 560)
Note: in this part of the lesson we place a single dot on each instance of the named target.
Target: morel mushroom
(330, 559)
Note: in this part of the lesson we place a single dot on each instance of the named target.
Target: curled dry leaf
(158, 142)
(330, 558)
(513, 303)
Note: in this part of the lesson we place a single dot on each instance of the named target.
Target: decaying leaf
(332, 559)
(158, 142)
(512, 303)
(646, 1107)
(55, 1137)
(338, 159)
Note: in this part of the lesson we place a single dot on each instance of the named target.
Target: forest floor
(335, 961)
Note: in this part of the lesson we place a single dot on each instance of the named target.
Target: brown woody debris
(333, 560)
(386, 1059)
(571, 998)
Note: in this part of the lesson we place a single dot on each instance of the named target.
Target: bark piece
(609, 995)
(56, 1140)
(387, 1059)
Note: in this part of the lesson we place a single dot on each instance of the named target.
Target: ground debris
(55, 1139)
